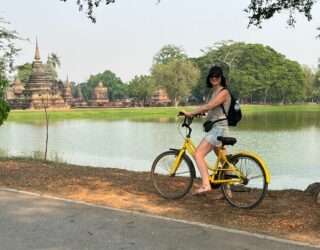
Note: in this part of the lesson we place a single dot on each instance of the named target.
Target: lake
(287, 141)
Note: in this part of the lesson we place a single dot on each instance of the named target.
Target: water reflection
(280, 120)
(266, 121)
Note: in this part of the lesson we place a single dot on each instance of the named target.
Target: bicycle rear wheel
(252, 189)
(175, 186)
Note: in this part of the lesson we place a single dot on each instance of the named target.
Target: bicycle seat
(227, 140)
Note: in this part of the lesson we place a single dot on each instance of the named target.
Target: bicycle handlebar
(188, 120)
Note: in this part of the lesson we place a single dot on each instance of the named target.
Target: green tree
(263, 75)
(24, 72)
(225, 54)
(168, 53)
(317, 85)
(7, 53)
(177, 77)
(255, 73)
(260, 10)
(53, 61)
(116, 88)
(141, 88)
(310, 83)
(290, 83)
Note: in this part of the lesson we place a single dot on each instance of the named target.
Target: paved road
(33, 222)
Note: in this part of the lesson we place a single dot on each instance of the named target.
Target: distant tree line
(255, 74)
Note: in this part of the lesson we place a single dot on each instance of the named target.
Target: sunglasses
(215, 76)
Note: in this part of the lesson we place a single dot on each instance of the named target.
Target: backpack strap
(221, 105)
(219, 120)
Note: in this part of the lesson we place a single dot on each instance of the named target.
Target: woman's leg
(224, 151)
(216, 151)
(202, 150)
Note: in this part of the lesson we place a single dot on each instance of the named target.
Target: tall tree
(177, 77)
(141, 88)
(225, 54)
(53, 61)
(7, 53)
(289, 83)
(255, 73)
(317, 85)
(168, 53)
(310, 83)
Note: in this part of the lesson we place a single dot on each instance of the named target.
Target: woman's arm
(220, 98)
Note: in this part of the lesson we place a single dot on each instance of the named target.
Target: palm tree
(54, 60)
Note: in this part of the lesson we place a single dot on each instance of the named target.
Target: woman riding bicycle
(220, 95)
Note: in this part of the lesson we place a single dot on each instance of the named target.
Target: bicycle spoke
(252, 187)
(175, 185)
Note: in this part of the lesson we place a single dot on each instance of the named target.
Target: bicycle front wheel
(176, 185)
(251, 190)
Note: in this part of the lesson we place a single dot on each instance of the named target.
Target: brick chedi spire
(39, 79)
(67, 92)
(78, 100)
(37, 54)
(99, 96)
(39, 92)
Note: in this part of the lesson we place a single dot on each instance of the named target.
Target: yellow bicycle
(243, 176)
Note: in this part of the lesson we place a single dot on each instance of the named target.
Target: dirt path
(290, 214)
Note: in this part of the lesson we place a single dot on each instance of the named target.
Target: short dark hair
(216, 71)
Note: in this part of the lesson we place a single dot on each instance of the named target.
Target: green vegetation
(116, 88)
(141, 89)
(256, 74)
(136, 113)
(99, 113)
(177, 77)
(7, 53)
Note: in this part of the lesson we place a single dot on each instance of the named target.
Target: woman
(217, 81)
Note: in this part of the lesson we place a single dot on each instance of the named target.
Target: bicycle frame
(189, 146)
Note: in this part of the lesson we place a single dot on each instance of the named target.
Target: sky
(129, 33)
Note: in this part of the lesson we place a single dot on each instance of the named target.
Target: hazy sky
(129, 33)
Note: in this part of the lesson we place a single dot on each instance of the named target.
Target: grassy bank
(137, 113)
(94, 113)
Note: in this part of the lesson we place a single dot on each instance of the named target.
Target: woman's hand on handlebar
(184, 112)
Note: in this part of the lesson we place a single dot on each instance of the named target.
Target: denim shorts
(217, 130)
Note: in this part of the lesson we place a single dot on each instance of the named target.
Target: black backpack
(234, 114)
